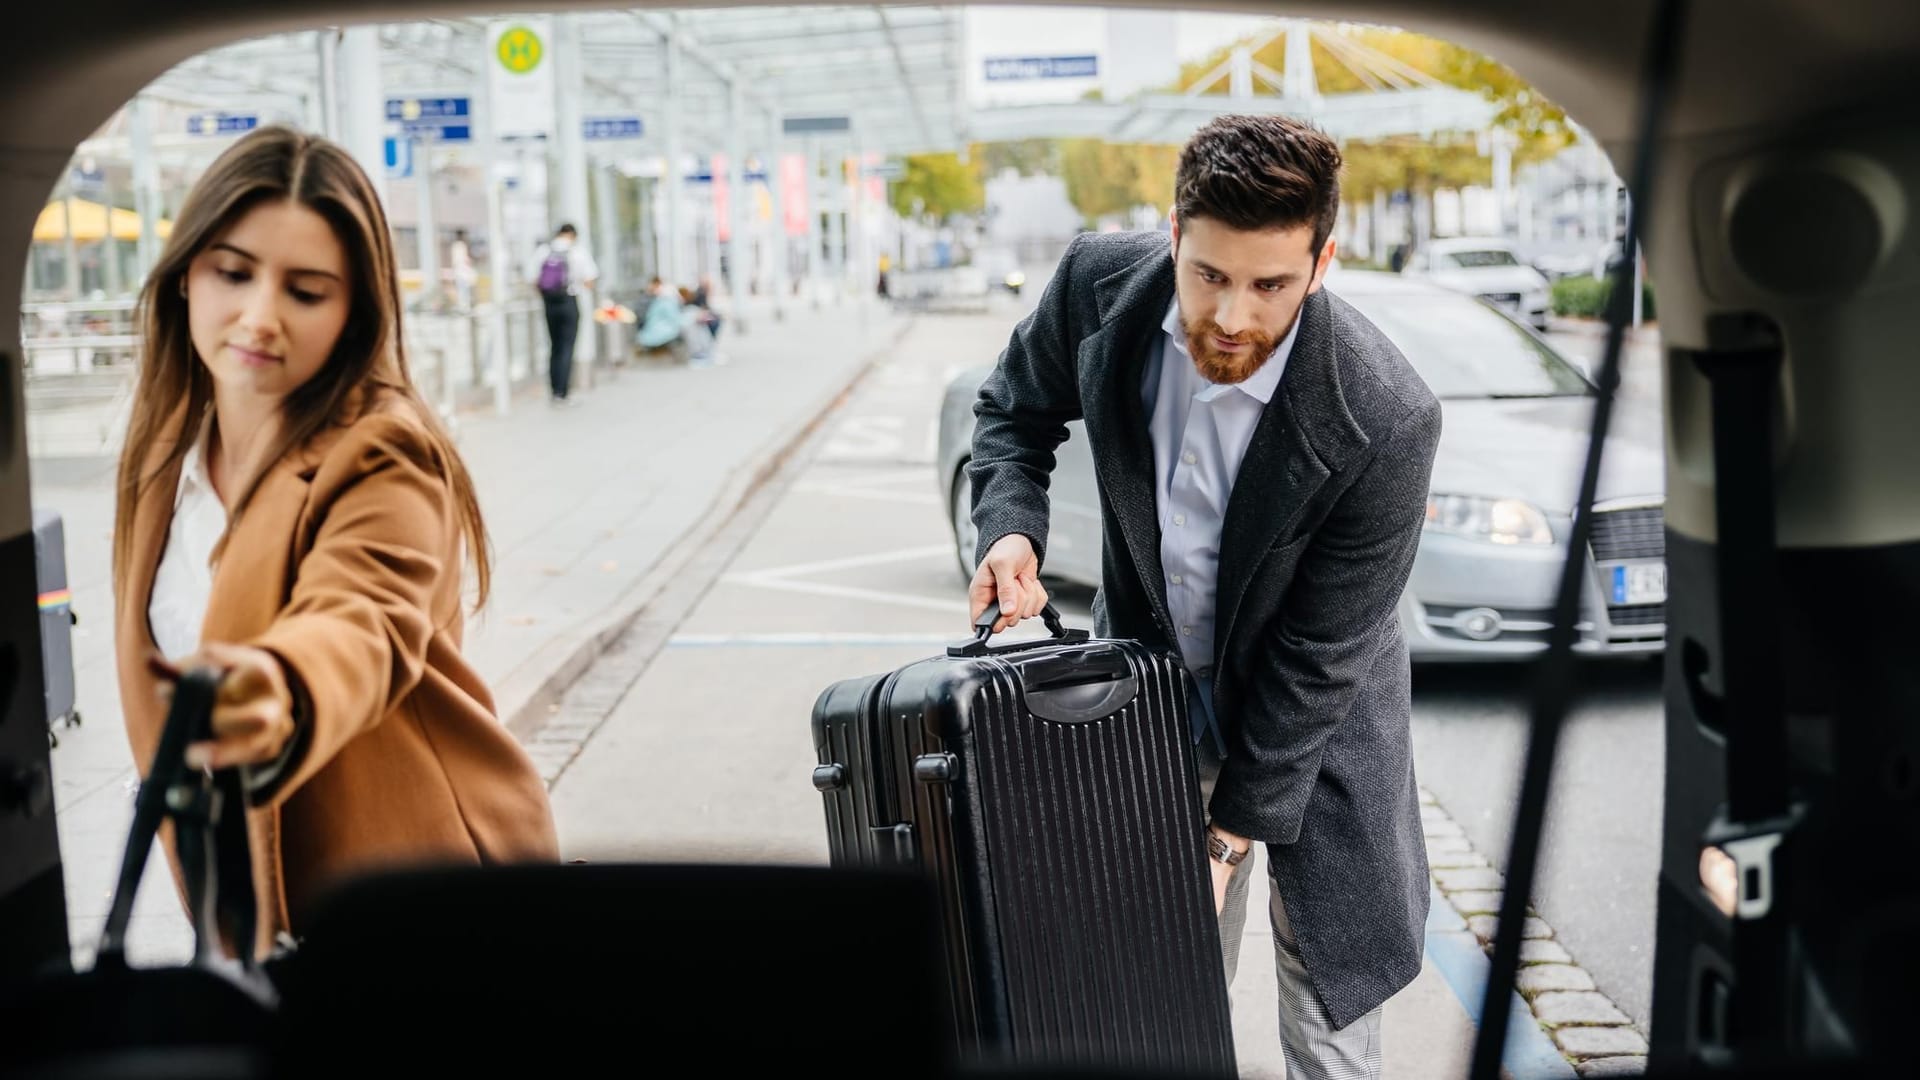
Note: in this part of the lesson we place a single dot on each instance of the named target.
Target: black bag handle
(209, 815)
(983, 629)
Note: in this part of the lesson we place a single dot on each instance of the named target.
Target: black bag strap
(1554, 674)
(1755, 825)
(209, 816)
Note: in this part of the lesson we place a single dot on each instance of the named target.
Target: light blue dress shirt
(1201, 431)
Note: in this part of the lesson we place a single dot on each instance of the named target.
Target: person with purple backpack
(559, 269)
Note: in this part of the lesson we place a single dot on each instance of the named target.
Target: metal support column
(606, 226)
(72, 250)
(1298, 81)
(363, 104)
(428, 230)
(673, 176)
(328, 41)
(499, 358)
(739, 246)
(146, 184)
(777, 240)
(815, 206)
(570, 136)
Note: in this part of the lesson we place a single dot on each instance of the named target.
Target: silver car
(1516, 421)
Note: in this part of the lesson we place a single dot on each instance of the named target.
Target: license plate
(1640, 583)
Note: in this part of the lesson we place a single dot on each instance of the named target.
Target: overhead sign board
(432, 119)
(815, 125)
(612, 127)
(430, 110)
(222, 123)
(1015, 68)
(520, 77)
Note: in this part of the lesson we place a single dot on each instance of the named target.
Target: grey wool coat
(1311, 680)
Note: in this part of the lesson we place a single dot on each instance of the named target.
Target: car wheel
(965, 536)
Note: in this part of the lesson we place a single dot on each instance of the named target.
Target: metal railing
(78, 337)
(80, 361)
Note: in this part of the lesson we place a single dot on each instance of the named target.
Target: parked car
(1489, 268)
(1515, 416)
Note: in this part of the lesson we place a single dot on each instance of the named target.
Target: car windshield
(1474, 260)
(1464, 349)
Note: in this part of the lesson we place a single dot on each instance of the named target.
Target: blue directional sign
(433, 119)
(612, 127)
(705, 176)
(399, 158)
(433, 110)
(222, 123)
(1012, 68)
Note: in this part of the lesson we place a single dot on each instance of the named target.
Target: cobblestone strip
(1594, 1035)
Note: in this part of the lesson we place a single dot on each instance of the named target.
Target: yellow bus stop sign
(520, 50)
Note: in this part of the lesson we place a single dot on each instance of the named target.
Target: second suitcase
(1049, 790)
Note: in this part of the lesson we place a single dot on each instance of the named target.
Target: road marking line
(956, 606)
(691, 641)
(920, 498)
(851, 562)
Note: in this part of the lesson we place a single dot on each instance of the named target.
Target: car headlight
(1016, 279)
(1502, 521)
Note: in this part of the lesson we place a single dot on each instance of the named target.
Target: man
(460, 259)
(559, 269)
(1262, 453)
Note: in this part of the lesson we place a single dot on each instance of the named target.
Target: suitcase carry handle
(983, 629)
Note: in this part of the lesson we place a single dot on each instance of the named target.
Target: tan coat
(347, 566)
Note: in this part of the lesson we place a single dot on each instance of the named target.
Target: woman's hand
(252, 711)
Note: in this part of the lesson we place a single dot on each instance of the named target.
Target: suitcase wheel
(934, 768)
(829, 777)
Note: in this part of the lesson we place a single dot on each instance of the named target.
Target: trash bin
(56, 617)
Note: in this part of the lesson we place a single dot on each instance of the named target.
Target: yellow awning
(91, 221)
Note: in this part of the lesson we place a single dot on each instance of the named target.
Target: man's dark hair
(566, 230)
(1260, 172)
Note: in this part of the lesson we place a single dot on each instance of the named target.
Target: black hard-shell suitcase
(1048, 789)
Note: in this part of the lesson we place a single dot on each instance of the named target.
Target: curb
(1646, 333)
(524, 705)
(1576, 1031)
(1529, 1053)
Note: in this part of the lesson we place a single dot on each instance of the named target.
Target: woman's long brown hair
(173, 388)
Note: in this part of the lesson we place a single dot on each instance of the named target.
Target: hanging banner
(793, 192)
(520, 77)
(721, 195)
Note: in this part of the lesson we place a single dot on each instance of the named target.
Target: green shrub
(1586, 298)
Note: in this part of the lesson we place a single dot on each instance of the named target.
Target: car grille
(1619, 535)
(1638, 615)
(1511, 299)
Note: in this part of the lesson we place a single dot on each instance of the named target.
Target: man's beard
(1227, 369)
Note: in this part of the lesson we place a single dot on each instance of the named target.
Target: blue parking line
(1529, 1054)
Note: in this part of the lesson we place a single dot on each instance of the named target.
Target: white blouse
(184, 582)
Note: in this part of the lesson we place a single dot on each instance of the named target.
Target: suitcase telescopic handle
(983, 629)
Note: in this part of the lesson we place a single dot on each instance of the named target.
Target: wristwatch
(1222, 852)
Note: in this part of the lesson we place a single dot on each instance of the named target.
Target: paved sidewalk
(586, 506)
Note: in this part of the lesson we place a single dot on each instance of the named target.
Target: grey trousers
(1312, 1048)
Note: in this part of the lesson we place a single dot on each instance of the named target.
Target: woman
(662, 323)
(291, 513)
